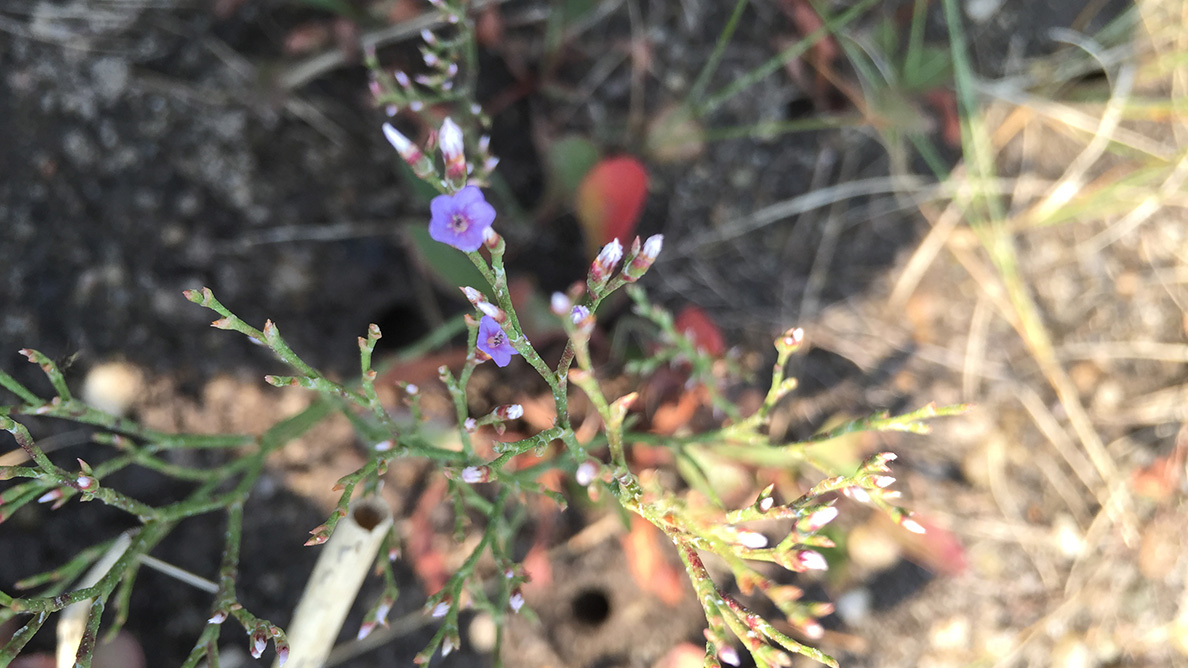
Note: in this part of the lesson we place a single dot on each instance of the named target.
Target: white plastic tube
(345, 560)
(72, 622)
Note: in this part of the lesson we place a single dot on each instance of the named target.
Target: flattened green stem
(142, 543)
(50, 368)
(22, 637)
(12, 385)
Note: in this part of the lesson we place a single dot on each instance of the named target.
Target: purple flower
(493, 341)
(460, 219)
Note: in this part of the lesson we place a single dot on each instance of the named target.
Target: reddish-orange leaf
(647, 564)
(937, 549)
(696, 324)
(427, 559)
(610, 199)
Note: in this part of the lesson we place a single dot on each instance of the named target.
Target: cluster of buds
(441, 63)
(638, 260)
(456, 172)
(479, 301)
(261, 634)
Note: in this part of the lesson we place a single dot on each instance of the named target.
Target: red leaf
(609, 200)
(697, 326)
(648, 565)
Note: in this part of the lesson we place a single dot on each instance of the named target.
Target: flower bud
(817, 519)
(643, 260)
(752, 539)
(811, 561)
(857, 493)
(587, 471)
(516, 601)
(259, 643)
(912, 525)
(604, 265)
(452, 149)
(560, 304)
(403, 145)
(789, 341)
(441, 609)
(729, 655)
(509, 412)
(476, 474)
(579, 314)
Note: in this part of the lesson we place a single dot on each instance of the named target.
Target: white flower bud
(752, 540)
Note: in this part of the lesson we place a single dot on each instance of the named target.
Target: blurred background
(959, 201)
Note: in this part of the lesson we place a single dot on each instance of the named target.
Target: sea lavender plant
(489, 487)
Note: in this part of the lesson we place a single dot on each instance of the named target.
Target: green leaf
(447, 264)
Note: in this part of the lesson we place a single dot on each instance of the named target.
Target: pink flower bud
(912, 525)
(472, 295)
(818, 519)
(52, 495)
(447, 646)
(476, 474)
(509, 411)
(282, 654)
(365, 630)
(729, 655)
(560, 304)
(857, 493)
(789, 341)
(643, 260)
(812, 561)
(402, 79)
(218, 617)
(752, 540)
(452, 149)
(884, 481)
(428, 36)
(516, 601)
(384, 446)
(586, 472)
(259, 643)
(403, 145)
(579, 314)
(441, 609)
(608, 258)
(85, 482)
(470, 425)
(651, 248)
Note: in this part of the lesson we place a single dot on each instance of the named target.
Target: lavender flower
(459, 220)
(493, 341)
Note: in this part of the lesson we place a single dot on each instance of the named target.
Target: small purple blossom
(460, 220)
(493, 341)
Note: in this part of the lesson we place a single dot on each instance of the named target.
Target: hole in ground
(590, 607)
